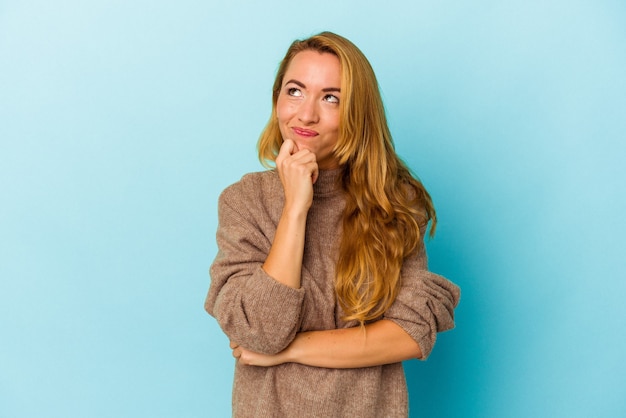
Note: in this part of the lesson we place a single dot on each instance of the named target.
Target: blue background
(121, 122)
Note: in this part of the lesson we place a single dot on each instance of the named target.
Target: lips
(307, 133)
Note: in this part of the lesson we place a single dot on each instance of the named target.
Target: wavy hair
(386, 205)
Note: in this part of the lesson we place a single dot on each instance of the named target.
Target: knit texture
(264, 315)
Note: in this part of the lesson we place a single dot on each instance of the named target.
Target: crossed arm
(378, 343)
(381, 342)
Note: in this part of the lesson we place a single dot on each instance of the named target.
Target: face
(308, 104)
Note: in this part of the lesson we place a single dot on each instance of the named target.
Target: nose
(308, 112)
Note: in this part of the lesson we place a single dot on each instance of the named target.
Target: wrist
(295, 213)
(294, 352)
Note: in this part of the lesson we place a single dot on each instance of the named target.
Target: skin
(307, 108)
(382, 342)
(308, 116)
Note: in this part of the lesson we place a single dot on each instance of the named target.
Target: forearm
(284, 260)
(382, 342)
(298, 171)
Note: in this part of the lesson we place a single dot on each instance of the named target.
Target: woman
(321, 280)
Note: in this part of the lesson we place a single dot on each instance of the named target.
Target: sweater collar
(327, 182)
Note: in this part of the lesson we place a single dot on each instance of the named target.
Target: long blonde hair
(386, 205)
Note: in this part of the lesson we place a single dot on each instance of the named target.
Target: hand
(250, 358)
(298, 172)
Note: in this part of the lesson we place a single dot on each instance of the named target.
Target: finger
(304, 155)
(237, 353)
(233, 345)
(315, 174)
(308, 160)
(288, 148)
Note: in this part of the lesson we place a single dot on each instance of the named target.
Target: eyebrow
(325, 90)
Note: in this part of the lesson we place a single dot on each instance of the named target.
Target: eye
(331, 98)
(293, 91)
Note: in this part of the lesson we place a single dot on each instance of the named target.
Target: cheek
(280, 118)
(282, 110)
(333, 122)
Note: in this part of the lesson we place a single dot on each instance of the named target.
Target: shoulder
(252, 185)
(258, 192)
(414, 201)
(414, 192)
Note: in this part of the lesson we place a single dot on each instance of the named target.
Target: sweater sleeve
(252, 308)
(425, 303)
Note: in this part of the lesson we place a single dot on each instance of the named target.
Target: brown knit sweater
(263, 315)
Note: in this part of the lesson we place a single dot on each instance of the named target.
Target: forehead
(314, 67)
